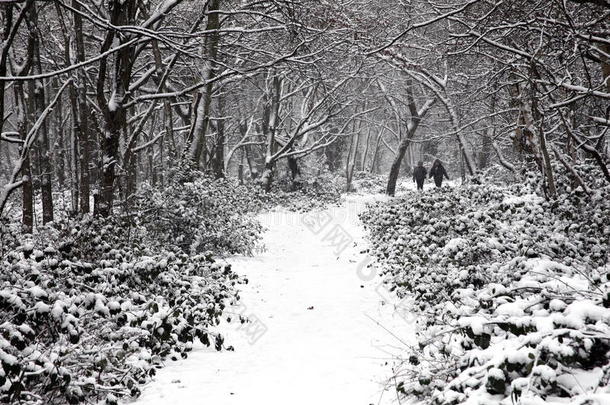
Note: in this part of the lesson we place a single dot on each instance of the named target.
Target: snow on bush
(90, 307)
(198, 214)
(512, 292)
(365, 182)
(75, 330)
(310, 192)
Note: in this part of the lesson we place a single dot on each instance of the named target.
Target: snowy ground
(322, 332)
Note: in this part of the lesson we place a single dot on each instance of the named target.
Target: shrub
(511, 291)
(90, 307)
(310, 192)
(369, 183)
(77, 330)
(199, 215)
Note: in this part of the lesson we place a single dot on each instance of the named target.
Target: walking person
(438, 172)
(419, 175)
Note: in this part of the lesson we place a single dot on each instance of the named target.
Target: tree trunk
(27, 195)
(6, 41)
(153, 173)
(83, 116)
(131, 182)
(110, 153)
(469, 162)
(267, 177)
(352, 153)
(21, 111)
(395, 168)
(59, 154)
(548, 168)
(366, 150)
(295, 172)
(351, 160)
(485, 151)
(545, 159)
(72, 155)
(168, 117)
(218, 163)
(114, 111)
(416, 118)
(44, 146)
(605, 47)
(376, 152)
(240, 168)
(332, 152)
(27, 206)
(488, 137)
(252, 169)
(197, 151)
(6, 13)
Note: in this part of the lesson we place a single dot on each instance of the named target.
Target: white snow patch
(587, 310)
(37, 292)
(510, 309)
(113, 105)
(454, 245)
(522, 199)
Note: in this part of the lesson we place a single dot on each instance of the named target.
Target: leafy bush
(311, 192)
(76, 330)
(197, 213)
(369, 183)
(200, 214)
(512, 291)
(90, 307)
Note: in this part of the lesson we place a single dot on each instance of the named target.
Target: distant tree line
(98, 98)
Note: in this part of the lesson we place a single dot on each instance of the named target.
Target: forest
(184, 184)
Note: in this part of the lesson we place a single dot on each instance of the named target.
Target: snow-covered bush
(199, 215)
(90, 307)
(365, 182)
(511, 290)
(75, 331)
(228, 196)
(311, 192)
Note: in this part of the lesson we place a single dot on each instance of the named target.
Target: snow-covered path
(318, 338)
